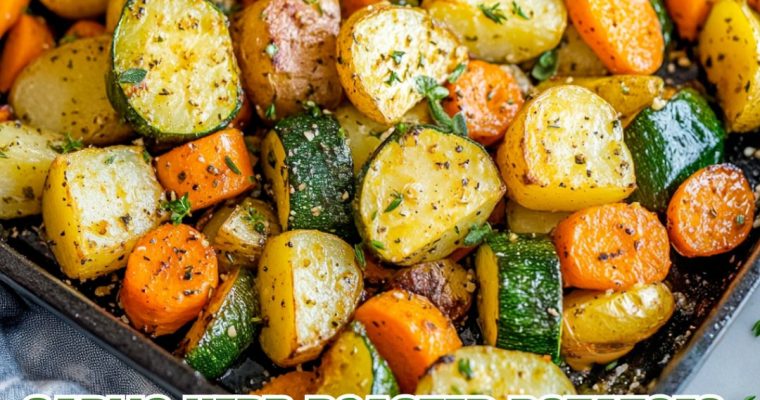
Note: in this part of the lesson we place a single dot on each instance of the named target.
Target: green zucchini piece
(173, 74)
(225, 328)
(666, 24)
(670, 144)
(308, 164)
(353, 365)
(421, 192)
(520, 299)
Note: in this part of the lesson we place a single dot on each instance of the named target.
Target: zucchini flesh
(670, 144)
(520, 300)
(225, 328)
(308, 163)
(173, 74)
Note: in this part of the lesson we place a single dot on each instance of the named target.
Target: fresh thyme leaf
(133, 76)
(68, 39)
(756, 329)
(397, 56)
(392, 78)
(146, 156)
(397, 199)
(110, 159)
(546, 67)
(270, 113)
(231, 164)
(477, 234)
(378, 245)
(69, 145)
(517, 10)
(493, 12)
(459, 124)
(271, 50)
(359, 252)
(254, 217)
(179, 208)
(3, 155)
(464, 367)
(312, 108)
(458, 71)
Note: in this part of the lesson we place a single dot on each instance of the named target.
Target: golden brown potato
(286, 51)
(575, 57)
(113, 13)
(445, 283)
(76, 9)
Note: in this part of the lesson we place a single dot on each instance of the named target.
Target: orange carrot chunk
(409, 332)
(614, 246)
(83, 29)
(488, 96)
(296, 384)
(6, 114)
(169, 276)
(625, 34)
(689, 15)
(28, 39)
(10, 11)
(711, 212)
(209, 170)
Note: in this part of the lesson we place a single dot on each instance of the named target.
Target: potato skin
(303, 66)
(445, 283)
(76, 9)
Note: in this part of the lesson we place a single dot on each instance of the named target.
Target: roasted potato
(383, 49)
(96, 204)
(76, 9)
(565, 151)
(525, 29)
(25, 156)
(600, 327)
(445, 283)
(729, 48)
(286, 51)
(113, 13)
(524, 220)
(64, 91)
(575, 57)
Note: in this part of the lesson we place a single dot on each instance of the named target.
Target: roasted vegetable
(494, 372)
(560, 158)
(75, 9)
(10, 12)
(421, 194)
(296, 384)
(524, 220)
(384, 49)
(308, 285)
(689, 15)
(58, 92)
(96, 204)
(28, 38)
(575, 58)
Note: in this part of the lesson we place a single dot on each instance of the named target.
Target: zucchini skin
(320, 174)
(239, 312)
(666, 24)
(670, 144)
(530, 294)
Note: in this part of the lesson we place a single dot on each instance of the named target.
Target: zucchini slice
(308, 164)
(494, 372)
(173, 75)
(353, 365)
(422, 192)
(520, 299)
(225, 328)
(670, 144)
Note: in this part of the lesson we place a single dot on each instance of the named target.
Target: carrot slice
(209, 170)
(84, 29)
(409, 332)
(488, 96)
(711, 212)
(10, 11)
(296, 384)
(689, 15)
(170, 274)
(613, 246)
(28, 39)
(625, 34)
(6, 114)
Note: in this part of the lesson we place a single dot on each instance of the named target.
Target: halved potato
(525, 220)
(565, 151)
(529, 27)
(729, 49)
(96, 204)
(575, 57)
(25, 156)
(383, 48)
(309, 284)
(76, 9)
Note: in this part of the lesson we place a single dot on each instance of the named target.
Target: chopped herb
(750, 397)
(756, 329)
(359, 252)
(401, 128)
(611, 366)
(146, 156)
(392, 78)
(378, 245)
(254, 217)
(397, 56)
(3, 155)
(493, 12)
(477, 234)
(179, 208)
(270, 113)
(455, 389)
(69, 145)
(458, 71)
(312, 108)
(133, 76)
(546, 67)
(271, 50)
(231, 164)
(68, 39)
(464, 367)
(434, 92)
(517, 10)
(110, 159)
(459, 125)
(430, 88)
(397, 199)
(740, 219)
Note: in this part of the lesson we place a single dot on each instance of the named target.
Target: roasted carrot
(10, 11)
(169, 276)
(409, 332)
(348, 7)
(755, 4)
(244, 116)
(374, 272)
(461, 253)
(6, 114)
(296, 384)
(28, 38)
(488, 96)
(711, 212)
(689, 15)
(83, 29)
(613, 246)
(625, 34)
(209, 170)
